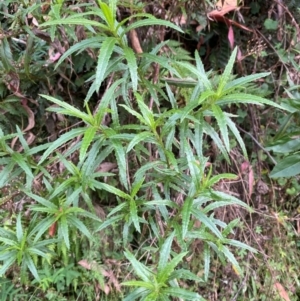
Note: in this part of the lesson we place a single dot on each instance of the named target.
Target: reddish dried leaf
(282, 292)
(239, 55)
(52, 230)
(135, 42)
(31, 119)
(223, 8)
(251, 181)
(244, 166)
(231, 37)
(85, 264)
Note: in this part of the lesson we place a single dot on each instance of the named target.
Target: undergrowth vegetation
(127, 169)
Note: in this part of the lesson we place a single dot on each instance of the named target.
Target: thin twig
(259, 145)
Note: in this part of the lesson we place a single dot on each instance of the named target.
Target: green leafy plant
(23, 248)
(126, 131)
(162, 283)
(115, 41)
(286, 141)
(61, 214)
(9, 291)
(211, 95)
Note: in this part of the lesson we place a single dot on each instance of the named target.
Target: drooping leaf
(235, 98)
(142, 271)
(221, 120)
(62, 140)
(76, 20)
(140, 137)
(151, 22)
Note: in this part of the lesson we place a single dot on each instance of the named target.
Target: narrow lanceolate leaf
(64, 230)
(182, 294)
(165, 273)
(108, 14)
(142, 271)
(162, 61)
(41, 200)
(221, 120)
(68, 109)
(86, 141)
(20, 160)
(19, 229)
(151, 22)
(132, 65)
(94, 42)
(246, 98)
(146, 112)
(43, 226)
(193, 167)
(184, 113)
(200, 68)
(209, 130)
(6, 55)
(75, 21)
(147, 285)
(215, 179)
(105, 53)
(231, 259)
(239, 245)
(195, 71)
(199, 135)
(121, 161)
(136, 187)
(134, 215)
(113, 7)
(111, 221)
(105, 100)
(62, 140)
(222, 196)
(165, 252)
(186, 214)
(6, 265)
(185, 82)
(203, 218)
(242, 81)
(227, 72)
(237, 135)
(111, 189)
(30, 264)
(74, 221)
(141, 137)
(206, 257)
(5, 173)
(134, 113)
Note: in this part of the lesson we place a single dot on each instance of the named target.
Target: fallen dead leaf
(224, 8)
(282, 292)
